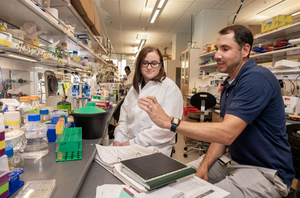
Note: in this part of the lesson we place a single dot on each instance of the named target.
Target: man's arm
(214, 151)
(224, 132)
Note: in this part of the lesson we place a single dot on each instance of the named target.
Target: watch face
(175, 120)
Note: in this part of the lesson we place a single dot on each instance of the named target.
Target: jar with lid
(65, 51)
(76, 58)
(44, 115)
(25, 108)
(14, 159)
(36, 135)
(35, 103)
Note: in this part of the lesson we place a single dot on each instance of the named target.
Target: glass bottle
(194, 89)
(35, 103)
(25, 108)
(36, 135)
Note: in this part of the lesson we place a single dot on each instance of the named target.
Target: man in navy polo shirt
(253, 126)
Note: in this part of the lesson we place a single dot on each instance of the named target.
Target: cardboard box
(96, 27)
(276, 22)
(86, 9)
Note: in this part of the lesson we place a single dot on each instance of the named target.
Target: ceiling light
(276, 4)
(136, 55)
(296, 13)
(22, 58)
(157, 10)
(161, 3)
(142, 43)
(154, 16)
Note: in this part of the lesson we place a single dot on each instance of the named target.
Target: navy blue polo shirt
(255, 96)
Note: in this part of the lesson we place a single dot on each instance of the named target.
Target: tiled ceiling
(122, 20)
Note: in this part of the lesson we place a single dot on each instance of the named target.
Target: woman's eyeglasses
(145, 64)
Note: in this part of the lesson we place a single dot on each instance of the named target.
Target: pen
(130, 193)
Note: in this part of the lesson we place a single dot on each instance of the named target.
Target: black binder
(155, 170)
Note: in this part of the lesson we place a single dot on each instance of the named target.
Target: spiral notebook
(155, 170)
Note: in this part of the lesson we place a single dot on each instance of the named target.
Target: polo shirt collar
(250, 63)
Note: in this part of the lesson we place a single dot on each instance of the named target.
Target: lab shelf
(209, 65)
(294, 28)
(22, 11)
(72, 66)
(207, 54)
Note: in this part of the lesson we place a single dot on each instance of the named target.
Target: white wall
(179, 44)
(208, 23)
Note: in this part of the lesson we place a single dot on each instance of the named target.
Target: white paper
(109, 191)
(165, 192)
(196, 187)
(110, 155)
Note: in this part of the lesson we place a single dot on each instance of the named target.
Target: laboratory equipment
(25, 108)
(38, 188)
(4, 176)
(92, 119)
(44, 115)
(17, 140)
(70, 145)
(64, 104)
(80, 94)
(11, 116)
(35, 104)
(291, 105)
(36, 135)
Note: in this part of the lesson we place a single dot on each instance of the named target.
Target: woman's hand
(117, 143)
(155, 112)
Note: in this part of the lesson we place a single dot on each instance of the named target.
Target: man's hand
(117, 143)
(155, 112)
(126, 143)
(202, 172)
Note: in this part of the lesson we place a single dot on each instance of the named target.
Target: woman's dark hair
(138, 77)
(127, 67)
(242, 35)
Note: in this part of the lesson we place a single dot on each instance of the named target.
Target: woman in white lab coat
(135, 126)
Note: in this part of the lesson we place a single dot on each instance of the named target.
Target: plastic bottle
(85, 61)
(35, 103)
(76, 58)
(11, 116)
(36, 135)
(194, 89)
(44, 115)
(25, 108)
(14, 159)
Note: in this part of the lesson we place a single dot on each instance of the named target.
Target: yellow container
(276, 22)
(213, 47)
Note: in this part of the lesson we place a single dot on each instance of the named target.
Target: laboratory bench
(77, 178)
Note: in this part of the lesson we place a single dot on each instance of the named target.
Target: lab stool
(202, 101)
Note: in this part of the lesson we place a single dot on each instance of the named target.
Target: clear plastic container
(76, 57)
(35, 103)
(65, 51)
(36, 135)
(25, 108)
(45, 117)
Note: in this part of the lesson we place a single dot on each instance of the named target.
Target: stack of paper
(107, 156)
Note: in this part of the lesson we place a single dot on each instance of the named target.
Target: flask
(11, 116)
(64, 104)
(25, 108)
(35, 103)
(44, 115)
(36, 135)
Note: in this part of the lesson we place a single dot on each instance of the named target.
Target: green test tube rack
(69, 145)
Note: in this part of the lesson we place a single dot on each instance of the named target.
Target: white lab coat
(136, 126)
(128, 82)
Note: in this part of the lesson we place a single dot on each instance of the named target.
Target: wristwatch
(174, 124)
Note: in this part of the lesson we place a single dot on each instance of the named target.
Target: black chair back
(293, 132)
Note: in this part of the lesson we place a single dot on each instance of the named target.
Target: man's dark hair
(127, 67)
(138, 77)
(242, 35)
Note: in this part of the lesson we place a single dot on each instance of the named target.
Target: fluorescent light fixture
(136, 55)
(161, 3)
(296, 13)
(154, 16)
(142, 43)
(276, 4)
(22, 58)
